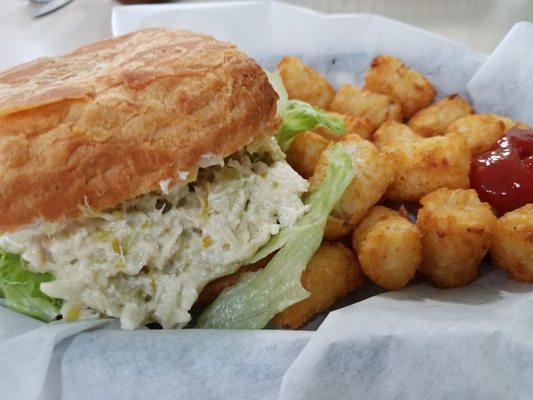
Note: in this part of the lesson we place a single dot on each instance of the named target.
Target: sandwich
(136, 170)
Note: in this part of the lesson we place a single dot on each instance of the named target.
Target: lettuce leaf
(277, 84)
(20, 288)
(299, 116)
(260, 295)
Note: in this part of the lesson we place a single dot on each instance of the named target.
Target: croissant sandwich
(136, 170)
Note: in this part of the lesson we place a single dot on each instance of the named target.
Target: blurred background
(480, 24)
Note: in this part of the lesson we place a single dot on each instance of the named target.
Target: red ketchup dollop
(503, 176)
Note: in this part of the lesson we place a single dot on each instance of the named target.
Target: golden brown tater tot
(330, 275)
(481, 131)
(304, 83)
(435, 119)
(377, 108)
(456, 233)
(336, 228)
(428, 164)
(512, 243)
(375, 214)
(411, 89)
(373, 175)
(389, 248)
(510, 123)
(393, 133)
(305, 151)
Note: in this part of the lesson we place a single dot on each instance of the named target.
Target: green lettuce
(260, 295)
(299, 116)
(277, 84)
(20, 288)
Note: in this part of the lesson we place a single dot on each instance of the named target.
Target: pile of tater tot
(406, 150)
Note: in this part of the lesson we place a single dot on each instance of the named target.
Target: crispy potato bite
(389, 247)
(512, 243)
(481, 131)
(304, 83)
(336, 228)
(305, 151)
(428, 164)
(214, 288)
(507, 122)
(358, 125)
(377, 108)
(456, 233)
(373, 175)
(388, 75)
(435, 119)
(393, 133)
(510, 123)
(375, 214)
(331, 274)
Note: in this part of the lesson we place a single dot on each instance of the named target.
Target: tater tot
(389, 248)
(358, 125)
(428, 164)
(393, 133)
(481, 131)
(214, 288)
(388, 75)
(510, 123)
(512, 243)
(330, 275)
(336, 228)
(456, 233)
(375, 214)
(377, 108)
(304, 83)
(305, 151)
(373, 174)
(435, 119)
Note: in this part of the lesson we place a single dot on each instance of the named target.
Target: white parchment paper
(423, 343)
(416, 343)
(504, 84)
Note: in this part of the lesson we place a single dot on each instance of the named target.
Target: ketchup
(503, 176)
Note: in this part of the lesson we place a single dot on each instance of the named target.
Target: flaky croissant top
(109, 121)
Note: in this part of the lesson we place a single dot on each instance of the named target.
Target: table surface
(481, 24)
